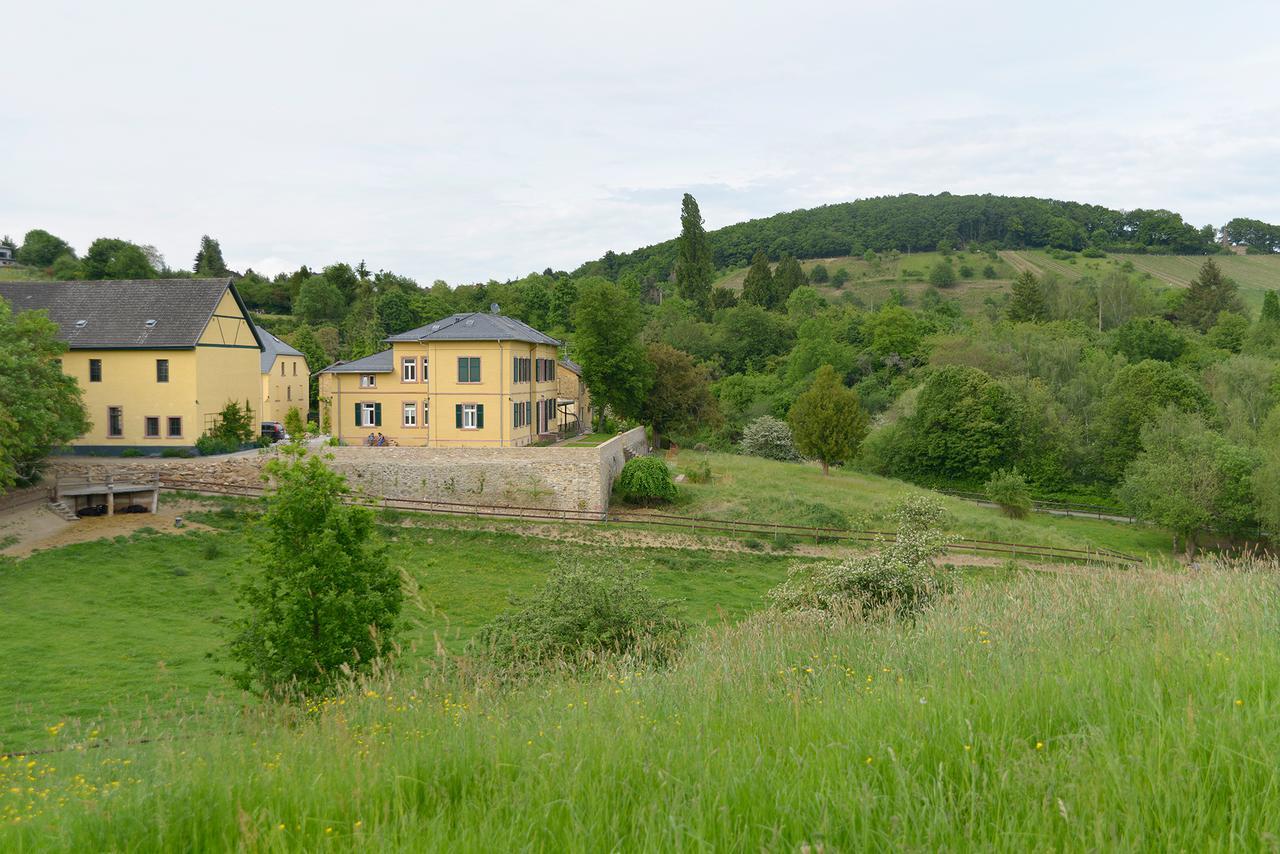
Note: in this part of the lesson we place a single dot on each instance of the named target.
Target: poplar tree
(693, 256)
(828, 420)
(758, 287)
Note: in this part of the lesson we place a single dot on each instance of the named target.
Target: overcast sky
(468, 141)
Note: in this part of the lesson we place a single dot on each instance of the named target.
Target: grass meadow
(1071, 711)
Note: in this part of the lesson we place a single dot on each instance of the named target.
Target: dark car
(274, 431)
(92, 510)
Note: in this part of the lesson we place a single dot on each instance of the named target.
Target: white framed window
(426, 410)
(411, 415)
(409, 369)
(368, 381)
(468, 416)
(368, 415)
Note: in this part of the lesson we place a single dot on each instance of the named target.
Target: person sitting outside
(371, 440)
(382, 440)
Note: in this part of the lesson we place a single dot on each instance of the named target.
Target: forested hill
(912, 223)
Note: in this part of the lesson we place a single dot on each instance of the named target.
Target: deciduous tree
(607, 345)
(680, 397)
(40, 248)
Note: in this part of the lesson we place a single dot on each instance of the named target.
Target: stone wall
(556, 478)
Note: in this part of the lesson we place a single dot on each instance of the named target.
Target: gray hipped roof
(476, 326)
(272, 347)
(572, 366)
(126, 314)
(378, 363)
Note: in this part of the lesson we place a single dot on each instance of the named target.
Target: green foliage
(319, 300)
(293, 424)
(646, 480)
(209, 446)
(1027, 302)
(722, 297)
(1266, 478)
(131, 452)
(819, 275)
(827, 420)
(235, 423)
(40, 407)
(208, 261)
(901, 576)
(786, 278)
(1228, 333)
(582, 613)
(1189, 479)
(698, 471)
(615, 366)
(693, 256)
(395, 312)
(1270, 307)
(1008, 490)
(769, 438)
(1149, 338)
(680, 397)
(942, 274)
(324, 600)
(1136, 396)
(965, 426)
(840, 278)
(989, 272)
(111, 258)
(180, 453)
(40, 249)
(1210, 294)
(746, 336)
(66, 267)
(757, 288)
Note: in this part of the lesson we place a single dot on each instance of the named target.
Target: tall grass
(1051, 712)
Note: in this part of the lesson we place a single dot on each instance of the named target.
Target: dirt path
(1020, 263)
(34, 528)
(1169, 278)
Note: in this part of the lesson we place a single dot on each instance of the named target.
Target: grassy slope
(1076, 712)
(1255, 274)
(118, 628)
(764, 490)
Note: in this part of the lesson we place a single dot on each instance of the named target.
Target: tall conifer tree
(758, 287)
(693, 256)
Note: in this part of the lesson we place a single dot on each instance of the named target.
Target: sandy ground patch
(37, 528)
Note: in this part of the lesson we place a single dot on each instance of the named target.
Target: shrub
(698, 472)
(840, 278)
(818, 275)
(131, 452)
(1008, 490)
(1093, 252)
(293, 423)
(769, 438)
(989, 272)
(646, 480)
(183, 453)
(209, 444)
(581, 613)
(211, 548)
(966, 272)
(901, 576)
(943, 275)
(235, 423)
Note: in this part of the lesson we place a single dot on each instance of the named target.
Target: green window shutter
(358, 424)
(377, 415)
(462, 369)
(515, 415)
(479, 416)
(457, 416)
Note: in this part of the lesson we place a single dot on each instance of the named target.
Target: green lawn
(796, 493)
(589, 440)
(1113, 712)
(131, 629)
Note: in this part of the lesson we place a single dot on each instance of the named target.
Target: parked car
(92, 510)
(274, 431)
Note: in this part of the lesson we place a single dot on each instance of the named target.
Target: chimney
(493, 308)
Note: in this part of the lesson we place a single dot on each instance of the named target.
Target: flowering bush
(901, 575)
(769, 438)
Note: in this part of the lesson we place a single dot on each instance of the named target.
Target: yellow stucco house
(470, 380)
(286, 380)
(157, 359)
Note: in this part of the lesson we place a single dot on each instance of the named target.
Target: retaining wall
(558, 478)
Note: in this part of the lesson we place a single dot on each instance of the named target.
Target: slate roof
(476, 326)
(572, 366)
(272, 347)
(378, 363)
(126, 314)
